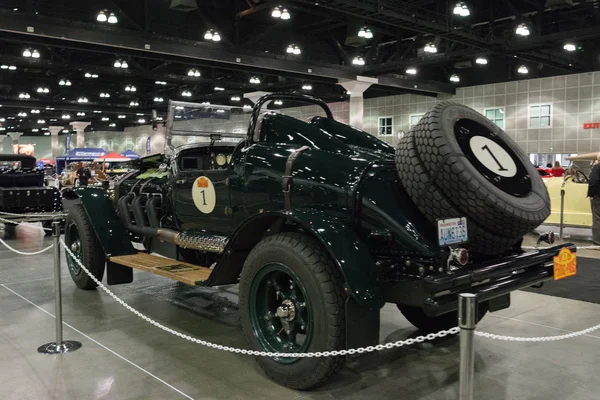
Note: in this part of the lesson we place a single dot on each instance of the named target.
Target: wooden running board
(178, 270)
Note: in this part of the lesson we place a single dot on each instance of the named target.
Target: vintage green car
(321, 224)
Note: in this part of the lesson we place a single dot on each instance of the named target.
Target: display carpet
(584, 286)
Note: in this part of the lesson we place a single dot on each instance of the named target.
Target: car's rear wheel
(81, 239)
(292, 300)
(457, 163)
(425, 324)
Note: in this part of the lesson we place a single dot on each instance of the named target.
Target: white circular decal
(203, 194)
(493, 157)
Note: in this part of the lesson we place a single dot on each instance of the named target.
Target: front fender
(109, 228)
(343, 245)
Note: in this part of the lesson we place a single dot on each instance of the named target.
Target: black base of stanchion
(66, 346)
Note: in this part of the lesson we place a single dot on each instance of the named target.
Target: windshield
(196, 123)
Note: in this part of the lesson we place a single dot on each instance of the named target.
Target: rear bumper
(438, 294)
(30, 199)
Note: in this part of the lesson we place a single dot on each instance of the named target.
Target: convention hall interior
(300, 199)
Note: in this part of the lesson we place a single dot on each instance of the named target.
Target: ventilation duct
(184, 5)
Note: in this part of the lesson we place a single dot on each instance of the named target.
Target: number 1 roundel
(493, 156)
(203, 194)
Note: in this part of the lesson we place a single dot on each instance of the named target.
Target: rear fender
(343, 245)
(109, 228)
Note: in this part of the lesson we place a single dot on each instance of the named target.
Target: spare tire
(457, 163)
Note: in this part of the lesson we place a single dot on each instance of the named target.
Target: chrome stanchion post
(562, 210)
(467, 321)
(60, 345)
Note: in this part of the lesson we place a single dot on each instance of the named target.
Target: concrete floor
(124, 357)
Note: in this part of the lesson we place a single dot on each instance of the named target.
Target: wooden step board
(178, 270)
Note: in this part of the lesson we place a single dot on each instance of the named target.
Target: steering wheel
(580, 177)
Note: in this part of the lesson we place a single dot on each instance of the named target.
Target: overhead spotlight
(481, 61)
(454, 78)
(522, 30)
(27, 53)
(64, 82)
(105, 95)
(219, 89)
(130, 88)
(66, 116)
(362, 32)
(158, 99)
(216, 37)
(134, 104)
(220, 111)
(34, 130)
(112, 18)
(368, 34)
(285, 14)
(411, 71)
(124, 64)
(208, 35)
(101, 17)
(430, 48)
(105, 119)
(34, 111)
(42, 90)
(82, 100)
(278, 102)
(204, 103)
(41, 121)
(22, 114)
(88, 75)
(81, 114)
(24, 95)
(122, 116)
(61, 82)
(235, 98)
(97, 111)
(297, 50)
(12, 68)
(65, 131)
(112, 125)
(3, 66)
(194, 72)
(276, 13)
(569, 47)
(306, 87)
(141, 121)
(186, 93)
(35, 54)
(358, 61)
(46, 133)
(160, 83)
(254, 80)
(523, 70)
(117, 64)
(247, 107)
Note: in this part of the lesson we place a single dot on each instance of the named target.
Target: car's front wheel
(292, 301)
(81, 239)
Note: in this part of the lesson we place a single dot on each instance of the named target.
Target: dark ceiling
(161, 40)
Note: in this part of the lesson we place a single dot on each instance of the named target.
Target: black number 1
(494, 157)
(204, 197)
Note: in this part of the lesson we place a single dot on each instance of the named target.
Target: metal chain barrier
(379, 347)
(8, 221)
(24, 253)
(537, 339)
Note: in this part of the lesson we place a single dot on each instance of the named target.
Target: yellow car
(577, 206)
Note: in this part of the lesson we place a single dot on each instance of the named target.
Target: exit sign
(591, 125)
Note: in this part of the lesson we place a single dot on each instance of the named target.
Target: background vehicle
(68, 177)
(321, 224)
(22, 190)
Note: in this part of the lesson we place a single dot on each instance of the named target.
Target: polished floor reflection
(124, 357)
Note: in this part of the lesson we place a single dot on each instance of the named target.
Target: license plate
(565, 264)
(452, 231)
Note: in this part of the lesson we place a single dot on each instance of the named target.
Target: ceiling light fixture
(101, 17)
(194, 72)
(365, 32)
(65, 131)
(430, 48)
(88, 75)
(235, 98)
(24, 95)
(27, 53)
(22, 114)
(134, 104)
(121, 64)
(35, 54)
(285, 14)
(570, 47)
(255, 80)
(122, 116)
(34, 111)
(461, 9)
(523, 70)
(141, 121)
(105, 119)
(160, 83)
(82, 100)
(306, 86)
(522, 30)
(212, 35)
(130, 88)
(66, 116)
(454, 78)
(278, 102)
(276, 13)
(105, 95)
(411, 71)
(219, 89)
(43, 90)
(41, 121)
(358, 61)
(158, 99)
(247, 107)
(112, 125)
(34, 130)
(97, 112)
(481, 60)
(81, 114)
(186, 93)
(112, 18)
